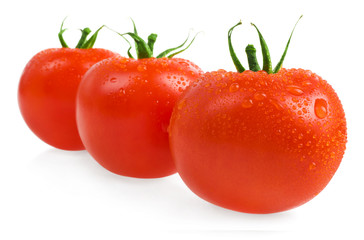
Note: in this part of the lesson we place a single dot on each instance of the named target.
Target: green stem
(85, 33)
(60, 35)
(280, 63)
(239, 67)
(252, 58)
(267, 63)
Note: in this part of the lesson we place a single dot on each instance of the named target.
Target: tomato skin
(123, 112)
(47, 93)
(258, 143)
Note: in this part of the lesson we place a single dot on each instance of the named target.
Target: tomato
(256, 142)
(123, 110)
(47, 91)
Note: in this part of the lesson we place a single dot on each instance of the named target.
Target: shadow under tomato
(77, 174)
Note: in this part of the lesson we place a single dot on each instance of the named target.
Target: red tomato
(258, 142)
(47, 93)
(123, 111)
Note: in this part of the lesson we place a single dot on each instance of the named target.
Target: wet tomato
(123, 110)
(258, 141)
(48, 87)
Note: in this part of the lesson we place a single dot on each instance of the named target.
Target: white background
(52, 194)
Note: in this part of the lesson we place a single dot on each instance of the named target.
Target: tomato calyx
(251, 53)
(145, 49)
(83, 43)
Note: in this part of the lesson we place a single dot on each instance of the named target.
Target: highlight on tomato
(124, 106)
(48, 87)
(258, 141)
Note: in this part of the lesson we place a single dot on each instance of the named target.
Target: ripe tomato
(258, 142)
(123, 110)
(47, 92)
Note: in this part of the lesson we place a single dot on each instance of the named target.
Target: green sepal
(164, 53)
(267, 63)
(60, 35)
(182, 50)
(252, 58)
(239, 67)
(84, 33)
(136, 33)
(151, 40)
(129, 54)
(280, 63)
(90, 43)
(143, 50)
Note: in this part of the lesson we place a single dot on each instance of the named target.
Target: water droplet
(259, 96)
(234, 87)
(321, 108)
(312, 166)
(113, 80)
(276, 104)
(247, 103)
(294, 90)
(122, 91)
(294, 100)
(141, 68)
(306, 83)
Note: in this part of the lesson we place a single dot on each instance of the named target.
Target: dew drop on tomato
(247, 103)
(141, 68)
(259, 96)
(312, 166)
(321, 108)
(234, 87)
(276, 104)
(295, 90)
